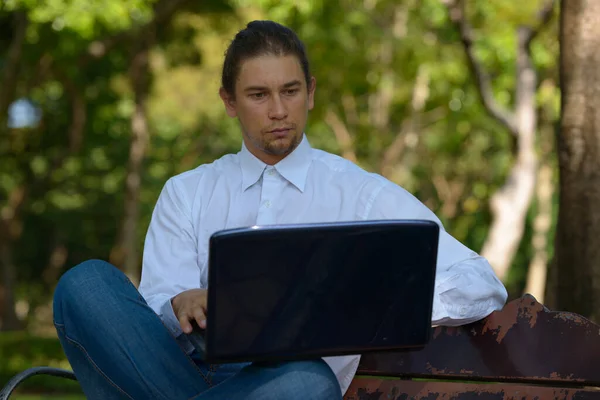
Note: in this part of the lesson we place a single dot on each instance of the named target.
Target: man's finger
(184, 321)
(200, 317)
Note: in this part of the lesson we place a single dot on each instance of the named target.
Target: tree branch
(456, 12)
(350, 109)
(79, 113)
(341, 134)
(410, 125)
(396, 149)
(544, 17)
(450, 193)
(125, 253)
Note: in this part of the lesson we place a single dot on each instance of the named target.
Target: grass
(20, 351)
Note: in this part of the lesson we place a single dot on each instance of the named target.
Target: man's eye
(291, 92)
(257, 95)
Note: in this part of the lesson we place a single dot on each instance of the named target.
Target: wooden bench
(522, 352)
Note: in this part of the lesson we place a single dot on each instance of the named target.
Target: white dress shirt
(309, 185)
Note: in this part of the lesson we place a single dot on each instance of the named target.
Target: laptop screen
(301, 291)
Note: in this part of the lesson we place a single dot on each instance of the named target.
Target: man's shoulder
(206, 173)
(335, 163)
(343, 167)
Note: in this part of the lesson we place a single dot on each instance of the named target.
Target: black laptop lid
(300, 291)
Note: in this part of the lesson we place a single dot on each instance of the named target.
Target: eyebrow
(263, 88)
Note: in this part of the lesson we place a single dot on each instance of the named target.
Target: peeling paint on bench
(524, 351)
(374, 389)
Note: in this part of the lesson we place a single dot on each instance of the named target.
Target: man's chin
(281, 147)
(274, 151)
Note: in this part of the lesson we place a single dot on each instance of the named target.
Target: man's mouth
(280, 132)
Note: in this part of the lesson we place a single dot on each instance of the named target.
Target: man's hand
(190, 305)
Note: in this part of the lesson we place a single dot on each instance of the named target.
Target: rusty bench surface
(524, 351)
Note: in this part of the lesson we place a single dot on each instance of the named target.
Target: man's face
(271, 102)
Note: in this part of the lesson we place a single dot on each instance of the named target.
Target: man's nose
(277, 109)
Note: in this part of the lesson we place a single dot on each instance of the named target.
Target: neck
(268, 159)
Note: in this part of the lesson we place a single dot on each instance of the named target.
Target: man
(123, 344)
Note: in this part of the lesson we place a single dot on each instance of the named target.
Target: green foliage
(20, 351)
(361, 52)
(84, 16)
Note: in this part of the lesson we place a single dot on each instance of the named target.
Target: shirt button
(271, 172)
(268, 204)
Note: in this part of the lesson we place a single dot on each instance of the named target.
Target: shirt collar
(294, 167)
(252, 167)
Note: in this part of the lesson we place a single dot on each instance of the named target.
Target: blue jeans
(119, 349)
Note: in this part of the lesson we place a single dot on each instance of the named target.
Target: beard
(280, 147)
(275, 146)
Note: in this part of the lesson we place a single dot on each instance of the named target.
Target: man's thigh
(216, 373)
(284, 380)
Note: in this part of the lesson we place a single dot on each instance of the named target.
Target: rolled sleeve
(466, 287)
(466, 292)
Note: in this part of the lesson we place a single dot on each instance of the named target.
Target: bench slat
(384, 389)
(522, 342)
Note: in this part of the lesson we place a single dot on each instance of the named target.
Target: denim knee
(317, 375)
(75, 285)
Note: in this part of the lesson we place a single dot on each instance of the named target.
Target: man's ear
(311, 92)
(229, 102)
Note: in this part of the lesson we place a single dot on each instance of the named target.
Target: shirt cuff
(169, 319)
(464, 298)
(461, 314)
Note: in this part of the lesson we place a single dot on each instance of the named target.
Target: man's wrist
(170, 319)
(175, 302)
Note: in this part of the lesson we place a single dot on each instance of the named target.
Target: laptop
(292, 292)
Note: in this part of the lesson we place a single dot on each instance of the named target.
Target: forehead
(269, 71)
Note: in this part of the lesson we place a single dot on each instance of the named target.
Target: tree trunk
(509, 207)
(10, 230)
(9, 227)
(39, 316)
(577, 250)
(536, 274)
(510, 203)
(8, 84)
(126, 254)
(10, 321)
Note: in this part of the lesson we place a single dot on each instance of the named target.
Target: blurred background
(101, 101)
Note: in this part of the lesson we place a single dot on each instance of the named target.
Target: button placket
(269, 189)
